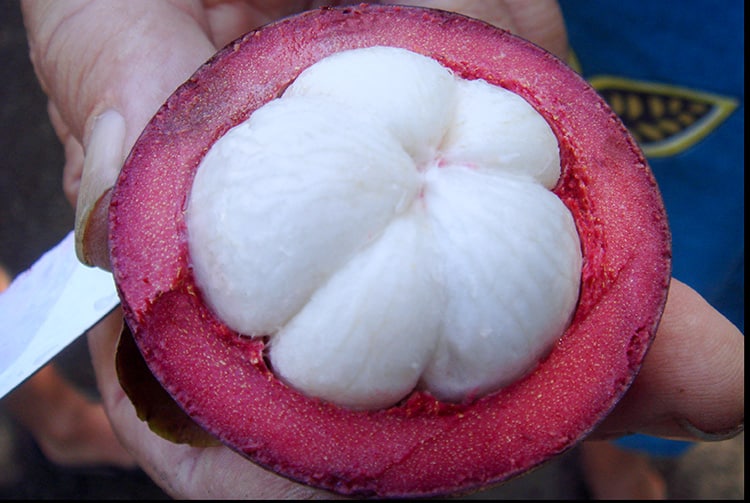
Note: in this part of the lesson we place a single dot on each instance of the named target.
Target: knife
(46, 308)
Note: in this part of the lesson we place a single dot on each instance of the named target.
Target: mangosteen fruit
(389, 251)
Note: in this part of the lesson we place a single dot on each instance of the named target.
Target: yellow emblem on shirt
(664, 119)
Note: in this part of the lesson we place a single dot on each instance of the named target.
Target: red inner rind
(421, 447)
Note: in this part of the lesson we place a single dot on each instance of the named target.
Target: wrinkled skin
(104, 84)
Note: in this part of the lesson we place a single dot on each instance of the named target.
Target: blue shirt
(674, 71)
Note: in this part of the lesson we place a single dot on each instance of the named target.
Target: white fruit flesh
(389, 226)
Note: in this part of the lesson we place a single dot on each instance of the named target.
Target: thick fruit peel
(420, 447)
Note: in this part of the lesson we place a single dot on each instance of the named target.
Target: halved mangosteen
(389, 251)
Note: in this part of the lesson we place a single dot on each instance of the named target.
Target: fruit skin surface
(421, 447)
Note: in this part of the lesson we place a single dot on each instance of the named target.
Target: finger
(101, 165)
(541, 22)
(127, 56)
(691, 385)
(73, 169)
(229, 19)
(108, 66)
(182, 471)
(493, 12)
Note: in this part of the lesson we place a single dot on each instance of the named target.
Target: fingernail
(711, 436)
(102, 162)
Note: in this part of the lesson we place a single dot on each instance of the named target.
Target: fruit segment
(394, 220)
(508, 259)
(283, 200)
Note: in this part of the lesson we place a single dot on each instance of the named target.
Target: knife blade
(46, 308)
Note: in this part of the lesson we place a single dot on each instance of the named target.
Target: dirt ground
(34, 216)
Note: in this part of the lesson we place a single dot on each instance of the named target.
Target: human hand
(692, 383)
(108, 66)
(691, 387)
(106, 84)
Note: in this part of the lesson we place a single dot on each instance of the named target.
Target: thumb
(692, 383)
(101, 165)
(107, 67)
